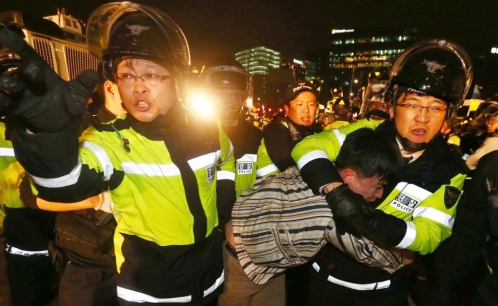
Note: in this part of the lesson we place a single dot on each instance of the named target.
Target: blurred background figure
(341, 112)
(228, 88)
(472, 140)
(325, 121)
(336, 93)
(375, 105)
(490, 117)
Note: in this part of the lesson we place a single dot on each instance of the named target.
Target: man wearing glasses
(167, 173)
(427, 84)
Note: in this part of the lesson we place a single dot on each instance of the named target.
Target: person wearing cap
(280, 137)
(169, 176)
(428, 82)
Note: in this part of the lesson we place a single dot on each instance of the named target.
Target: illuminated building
(351, 54)
(260, 62)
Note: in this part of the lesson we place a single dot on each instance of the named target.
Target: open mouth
(419, 132)
(142, 106)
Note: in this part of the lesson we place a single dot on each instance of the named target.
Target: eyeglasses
(434, 111)
(128, 79)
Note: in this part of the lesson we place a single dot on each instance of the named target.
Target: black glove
(350, 211)
(36, 94)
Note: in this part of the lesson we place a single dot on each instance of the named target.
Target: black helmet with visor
(436, 67)
(122, 30)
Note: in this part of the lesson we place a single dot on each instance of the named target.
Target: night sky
(226, 26)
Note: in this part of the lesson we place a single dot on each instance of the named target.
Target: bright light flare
(201, 103)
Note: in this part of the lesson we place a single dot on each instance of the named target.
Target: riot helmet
(374, 104)
(437, 68)
(122, 30)
(227, 85)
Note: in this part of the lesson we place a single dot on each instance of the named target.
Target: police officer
(336, 95)
(167, 174)
(279, 137)
(428, 82)
(83, 252)
(27, 232)
(475, 233)
(228, 87)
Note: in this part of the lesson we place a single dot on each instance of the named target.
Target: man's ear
(286, 108)
(348, 175)
(109, 88)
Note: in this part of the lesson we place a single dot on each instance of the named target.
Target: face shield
(228, 89)
(129, 30)
(374, 105)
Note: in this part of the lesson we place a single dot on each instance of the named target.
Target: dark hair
(370, 154)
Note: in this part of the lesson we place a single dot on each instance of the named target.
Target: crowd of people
(115, 193)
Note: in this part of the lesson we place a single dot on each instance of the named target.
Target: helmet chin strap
(410, 146)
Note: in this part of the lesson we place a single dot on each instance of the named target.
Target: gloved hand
(351, 212)
(36, 94)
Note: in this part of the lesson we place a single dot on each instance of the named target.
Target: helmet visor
(226, 80)
(113, 27)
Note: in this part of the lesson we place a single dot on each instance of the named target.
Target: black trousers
(88, 281)
(30, 276)
(323, 292)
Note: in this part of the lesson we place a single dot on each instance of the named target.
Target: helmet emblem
(136, 29)
(432, 66)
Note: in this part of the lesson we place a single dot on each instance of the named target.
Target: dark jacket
(471, 230)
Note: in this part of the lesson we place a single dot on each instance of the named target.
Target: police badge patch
(210, 174)
(451, 195)
(404, 203)
(244, 168)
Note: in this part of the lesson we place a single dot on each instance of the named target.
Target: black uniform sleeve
(458, 254)
(319, 172)
(279, 145)
(54, 155)
(48, 155)
(225, 193)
